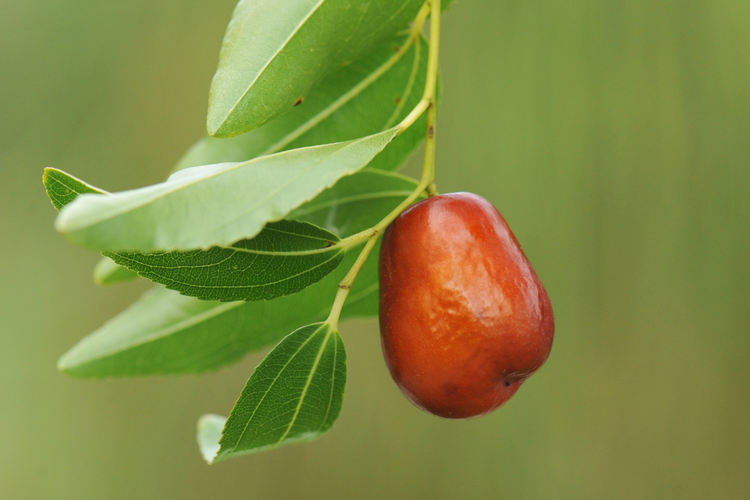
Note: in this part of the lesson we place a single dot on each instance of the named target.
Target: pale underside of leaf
(208, 435)
(107, 272)
(214, 205)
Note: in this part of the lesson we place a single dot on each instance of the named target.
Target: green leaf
(63, 188)
(106, 273)
(362, 98)
(295, 394)
(271, 56)
(165, 332)
(201, 207)
(209, 434)
(284, 258)
(357, 202)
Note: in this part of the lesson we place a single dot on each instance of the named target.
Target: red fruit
(464, 319)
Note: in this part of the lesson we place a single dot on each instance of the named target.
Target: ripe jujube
(464, 319)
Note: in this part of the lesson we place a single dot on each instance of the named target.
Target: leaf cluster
(249, 237)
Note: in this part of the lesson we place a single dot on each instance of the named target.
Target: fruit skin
(464, 319)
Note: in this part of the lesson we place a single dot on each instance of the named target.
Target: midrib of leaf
(270, 60)
(307, 385)
(348, 96)
(276, 378)
(198, 318)
(333, 382)
(284, 254)
(209, 287)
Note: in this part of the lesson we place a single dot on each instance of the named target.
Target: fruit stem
(346, 283)
(428, 166)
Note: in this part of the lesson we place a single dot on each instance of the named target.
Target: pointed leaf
(62, 188)
(272, 56)
(295, 394)
(106, 273)
(284, 258)
(209, 433)
(362, 98)
(165, 332)
(214, 205)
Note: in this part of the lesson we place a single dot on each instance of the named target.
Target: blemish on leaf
(299, 101)
(396, 48)
(398, 100)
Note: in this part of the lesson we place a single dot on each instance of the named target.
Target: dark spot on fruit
(507, 383)
(450, 389)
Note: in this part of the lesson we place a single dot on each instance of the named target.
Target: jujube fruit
(464, 319)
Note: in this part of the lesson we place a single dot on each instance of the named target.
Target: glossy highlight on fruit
(464, 319)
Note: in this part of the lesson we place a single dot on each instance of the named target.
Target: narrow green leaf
(106, 273)
(362, 98)
(271, 56)
(214, 205)
(209, 433)
(284, 258)
(165, 332)
(295, 394)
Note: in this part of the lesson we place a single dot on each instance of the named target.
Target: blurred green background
(614, 135)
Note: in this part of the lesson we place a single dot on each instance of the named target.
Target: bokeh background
(614, 135)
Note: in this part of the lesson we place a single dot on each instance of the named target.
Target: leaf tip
(222, 130)
(107, 272)
(218, 123)
(64, 364)
(208, 435)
